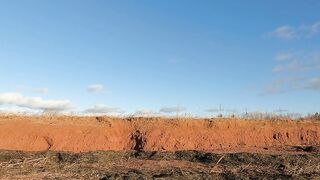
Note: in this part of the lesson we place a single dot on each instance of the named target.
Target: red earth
(83, 134)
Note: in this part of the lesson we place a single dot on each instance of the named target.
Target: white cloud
(36, 103)
(218, 110)
(282, 56)
(41, 90)
(26, 88)
(283, 85)
(302, 31)
(103, 109)
(285, 32)
(315, 28)
(293, 66)
(314, 84)
(146, 112)
(175, 109)
(95, 88)
(280, 111)
(298, 61)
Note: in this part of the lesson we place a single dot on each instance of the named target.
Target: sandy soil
(82, 134)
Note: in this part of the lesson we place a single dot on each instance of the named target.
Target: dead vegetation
(254, 115)
(157, 165)
(315, 117)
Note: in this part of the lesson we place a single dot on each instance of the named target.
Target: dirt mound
(81, 134)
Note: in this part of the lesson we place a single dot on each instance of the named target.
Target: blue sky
(152, 55)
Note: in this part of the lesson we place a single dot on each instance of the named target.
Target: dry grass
(150, 165)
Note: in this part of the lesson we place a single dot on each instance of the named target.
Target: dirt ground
(157, 165)
(82, 134)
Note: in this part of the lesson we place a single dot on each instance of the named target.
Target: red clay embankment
(80, 134)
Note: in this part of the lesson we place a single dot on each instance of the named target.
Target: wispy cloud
(146, 112)
(315, 28)
(314, 84)
(95, 88)
(221, 110)
(283, 85)
(36, 103)
(276, 86)
(298, 61)
(285, 32)
(295, 71)
(26, 88)
(98, 88)
(41, 90)
(173, 109)
(294, 32)
(102, 109)
(15, 110)
(283, 56)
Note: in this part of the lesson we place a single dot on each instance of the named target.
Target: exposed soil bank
(81, 134)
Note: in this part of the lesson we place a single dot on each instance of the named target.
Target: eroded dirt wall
(80, 134)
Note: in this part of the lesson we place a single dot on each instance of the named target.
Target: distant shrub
(220, 115)
(315, 116)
